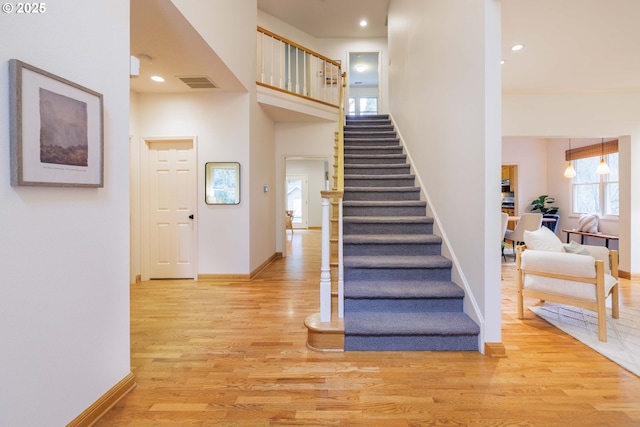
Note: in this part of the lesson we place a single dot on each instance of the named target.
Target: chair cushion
(566, 264)
(543, 239)
(588, 223)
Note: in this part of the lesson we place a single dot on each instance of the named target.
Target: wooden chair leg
(615, 303)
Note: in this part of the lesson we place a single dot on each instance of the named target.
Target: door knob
(191, 216)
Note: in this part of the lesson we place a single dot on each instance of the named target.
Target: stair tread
(384, 203)
(391, 238)
(409, 289)
(382, 189)
(381, 156)
(402, 323)
(381, 176)
(389, 219)
(374, 262)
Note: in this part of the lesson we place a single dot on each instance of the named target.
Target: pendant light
(569, 172)
(603, 168)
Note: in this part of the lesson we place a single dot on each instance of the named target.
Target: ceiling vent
(198, 82)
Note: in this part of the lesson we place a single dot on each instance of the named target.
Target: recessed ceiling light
(157, 79)
(360, 68)
(363, 23)
(502, 62)
(517, 47)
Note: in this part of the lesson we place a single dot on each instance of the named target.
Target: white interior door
(297, 199)
(172, 201)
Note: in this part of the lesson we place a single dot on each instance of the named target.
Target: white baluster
(325, 271)
(304, 68)
(340, 263)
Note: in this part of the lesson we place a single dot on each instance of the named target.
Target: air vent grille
(198, 82)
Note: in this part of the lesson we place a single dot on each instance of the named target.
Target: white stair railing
(289, 67)
(335, 195)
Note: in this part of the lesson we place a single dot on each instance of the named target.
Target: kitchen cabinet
(509, 189)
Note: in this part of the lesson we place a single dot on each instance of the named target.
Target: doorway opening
(364, 78)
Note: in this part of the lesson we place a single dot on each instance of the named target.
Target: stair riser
(368, 142)
(403, 305)
(391, 249)
(382, 195)
(411, 343)
(387, 228)
(366, 134)
(373, 150)
(374, 160)
(368, 127)
(394, 274)
(376, 181)
(384, 211)
(372, 170)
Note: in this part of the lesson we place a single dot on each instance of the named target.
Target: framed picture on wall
(222, 183)
(56, 130)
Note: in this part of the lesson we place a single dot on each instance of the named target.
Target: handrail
(336, 194)
(286, 66)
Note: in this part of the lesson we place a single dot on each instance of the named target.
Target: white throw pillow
(543, 239)
(575, 248)
(588, 223)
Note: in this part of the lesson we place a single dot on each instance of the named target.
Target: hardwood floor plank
(213, 353)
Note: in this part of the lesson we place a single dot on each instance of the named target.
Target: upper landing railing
(286, 66)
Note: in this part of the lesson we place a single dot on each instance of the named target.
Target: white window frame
(602, 183)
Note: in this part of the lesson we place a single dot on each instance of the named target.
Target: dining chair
(503, 229)
(528, 222)
(551, 221)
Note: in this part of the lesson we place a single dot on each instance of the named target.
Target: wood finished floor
(234, 354)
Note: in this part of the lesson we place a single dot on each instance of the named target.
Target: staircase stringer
(447, 248)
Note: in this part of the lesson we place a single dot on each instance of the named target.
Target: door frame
(348, 86)
(305, 198)
(145, 213)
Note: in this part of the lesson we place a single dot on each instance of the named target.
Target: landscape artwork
(56, 130)
(63, 130)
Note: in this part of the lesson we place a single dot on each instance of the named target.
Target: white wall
(593, 115)
(219, 121)
(229, 27)
(314, 170)
(444, 82)
(64, 288)
(530, 155)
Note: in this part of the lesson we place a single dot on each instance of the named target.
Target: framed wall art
(56, 130)
(222, 183)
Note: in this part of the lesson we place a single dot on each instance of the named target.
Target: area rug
(623, 334)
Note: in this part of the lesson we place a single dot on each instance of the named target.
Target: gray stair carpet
(399, 295)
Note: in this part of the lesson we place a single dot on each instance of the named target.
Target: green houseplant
(540, 204)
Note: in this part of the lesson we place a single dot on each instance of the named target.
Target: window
(368, 105)
(593, 193)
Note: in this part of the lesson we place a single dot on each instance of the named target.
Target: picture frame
(222, 183)
(57, 130)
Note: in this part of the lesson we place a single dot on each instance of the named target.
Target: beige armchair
(583, 279)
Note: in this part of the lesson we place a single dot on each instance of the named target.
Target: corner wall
(64, 252)
(444, 85)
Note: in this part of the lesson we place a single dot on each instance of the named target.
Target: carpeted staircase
(398, 289)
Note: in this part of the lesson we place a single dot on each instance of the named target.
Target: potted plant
(540, 204)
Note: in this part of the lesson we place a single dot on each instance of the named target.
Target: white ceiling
(570, 45)
(331, 18)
